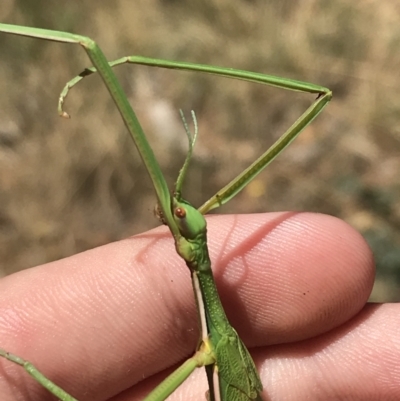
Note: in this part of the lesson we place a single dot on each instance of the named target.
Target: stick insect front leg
(230, 370)
(323, 96)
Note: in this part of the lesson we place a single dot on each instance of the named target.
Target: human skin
(110, 323)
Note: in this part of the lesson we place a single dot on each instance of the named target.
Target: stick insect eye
(180, 212)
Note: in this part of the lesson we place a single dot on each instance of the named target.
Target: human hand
(110, 323)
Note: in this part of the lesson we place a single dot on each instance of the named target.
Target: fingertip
(288, 276)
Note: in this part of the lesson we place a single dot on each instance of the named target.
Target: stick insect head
(190, 222)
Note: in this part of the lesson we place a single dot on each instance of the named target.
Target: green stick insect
(231, 373)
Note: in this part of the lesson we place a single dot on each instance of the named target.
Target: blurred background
(71, 185)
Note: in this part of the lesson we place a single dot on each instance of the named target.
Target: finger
(293, 276)
(121, 312)
(357, 361)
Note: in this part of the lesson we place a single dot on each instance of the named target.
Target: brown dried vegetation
(69, 185)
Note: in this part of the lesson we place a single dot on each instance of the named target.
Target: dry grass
(66, 186)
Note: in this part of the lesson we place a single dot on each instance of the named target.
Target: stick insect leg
(161, 392)
(114, 87)
(100, 62)
(38, 376)
(324, 95)
(203, 357)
